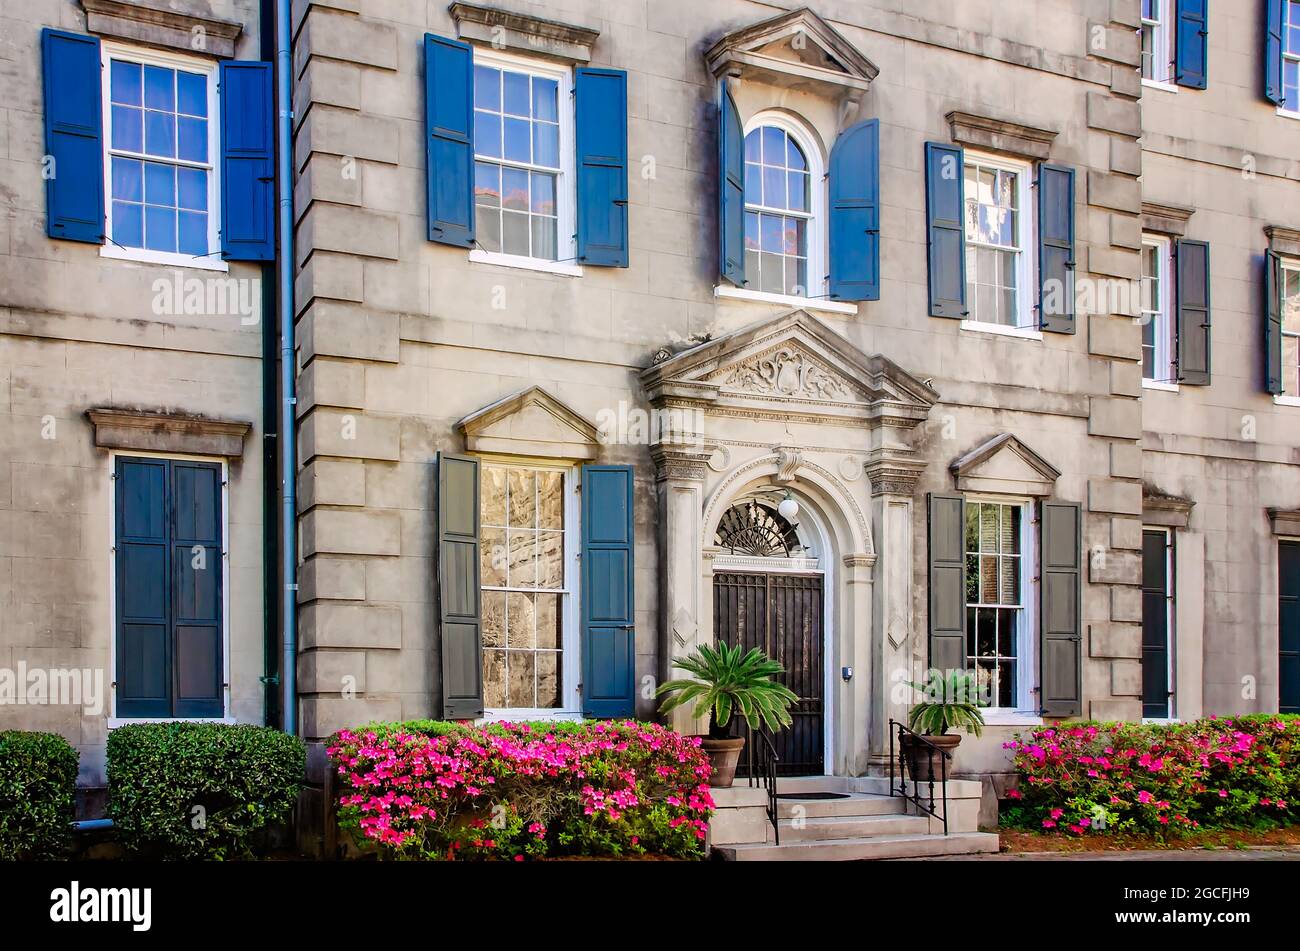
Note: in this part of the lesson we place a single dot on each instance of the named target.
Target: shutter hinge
(291, 587)
(273, 679)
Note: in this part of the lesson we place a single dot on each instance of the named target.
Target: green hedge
(38, 794)
(201, 790)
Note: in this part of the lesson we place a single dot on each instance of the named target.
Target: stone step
(860, 849)
(850, 827)
(854, 804)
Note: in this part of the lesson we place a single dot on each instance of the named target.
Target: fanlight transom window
(755, 528)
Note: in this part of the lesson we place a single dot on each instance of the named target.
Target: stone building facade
(547, 429)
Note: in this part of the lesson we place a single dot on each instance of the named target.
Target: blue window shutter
(731, 190)
(608, 636)
(600, 101)
(1273, 382)
(1192, 322)
(1192, 43)
(449, 139)
(855, 213)
(247, 161)
(195, 547)
(74, 137)
(142, 588)
(459, 598)
(1056, 248)
(945, 196)
(1273, 54)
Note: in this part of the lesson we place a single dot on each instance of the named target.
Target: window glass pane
(517, 147)
(520, 622)
(128, 225)
(523, 498)
(550, 500)
(159, 184)
(515, 94)
(753, 183)
(1007, 684)
(127, 180)
(549, 621)
(492, 557)
(487, 90)
(487, 134)
(523, 559)
(753, 147)
(543, 194)
(192, 233)
(550, 560)
(521, 676)
(546, 144)
(794, 242)
(159, 88)
(773, 146)
(159, 133)
(128, 133)
(191, 93)
(192, 139)
(1291, 365)
(493, 501)
(794, 155)
(972, 528)
(159, 228)
(988, 579)
(494, 619)
(774, 187)
(751, 231)
(771, 274)
(1010, 529)
(986, 632)
(487, 184)
(544, 238)
(548, 679)
(545, 98)
(514, 189)
(1009, 580)
(772, 237)
(798, 191)
(494, 678)
(192, 188)
(125, 83)
(1291, 301)
(487, 228)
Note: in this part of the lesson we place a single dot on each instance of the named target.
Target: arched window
(783, 184)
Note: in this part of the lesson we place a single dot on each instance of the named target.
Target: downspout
(288, 431)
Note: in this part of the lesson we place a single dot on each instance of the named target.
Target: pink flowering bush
(1234, 772)
(432, 790)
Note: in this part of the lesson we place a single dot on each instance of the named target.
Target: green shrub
(200, 790)
(38, 794)
(431, 790)
(1164, 779)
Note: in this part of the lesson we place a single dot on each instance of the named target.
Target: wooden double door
(783, 613)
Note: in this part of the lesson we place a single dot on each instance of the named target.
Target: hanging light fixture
(789, 507)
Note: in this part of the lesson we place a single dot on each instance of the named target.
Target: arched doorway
(769, 591)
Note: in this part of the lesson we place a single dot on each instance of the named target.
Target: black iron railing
(924, 802)
(761, 760)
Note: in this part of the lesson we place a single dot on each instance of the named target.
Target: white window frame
(1026, 711)
(114, 720)
(1026, 267)
(1162, 48)
(1288, 265)
(150, 57)
(1171, 617)
(817, 228)
(566, 194)
(1165, 347)
(1288, 55)
(570, 707)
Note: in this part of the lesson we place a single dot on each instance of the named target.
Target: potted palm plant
(728, 681)
(951, 700)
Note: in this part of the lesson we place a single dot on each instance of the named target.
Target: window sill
(1162, 85)
(115, 722)
(479, 256)
(806, 303)
(1286, 400)
(519, 716)
(1024, 333)
(1288, 113)
(1011, 718)
(1161, 720)
(1160, 385)
(164, 258)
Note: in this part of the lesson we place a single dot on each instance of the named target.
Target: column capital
(893, 476)
(680, 463)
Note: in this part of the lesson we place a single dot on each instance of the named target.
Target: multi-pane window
(995, 241)
(1291, 56)
(995, 604)
(517, 168)
(1291, 329)
(778, 212)
(523, 579)
(160, 157)
(1157, 314)
(1156, 47)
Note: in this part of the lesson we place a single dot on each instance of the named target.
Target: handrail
(768, 759)
(901, 730)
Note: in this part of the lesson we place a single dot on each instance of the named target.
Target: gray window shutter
(1061, 526)
(1273, 323)
(1192, 265)
(947, 582)
(459, 615)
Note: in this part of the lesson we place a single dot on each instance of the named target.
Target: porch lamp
(789, 507)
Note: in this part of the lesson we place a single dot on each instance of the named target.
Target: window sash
(1023, 659)
(1160, 323)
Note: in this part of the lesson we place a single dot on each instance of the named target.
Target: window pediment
(1004, 465)
(796, 50)
(530, 423)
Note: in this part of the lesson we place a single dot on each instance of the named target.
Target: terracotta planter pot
(923, 761)
(724, 755)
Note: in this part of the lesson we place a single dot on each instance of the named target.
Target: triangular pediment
(797, 49)
(793, 363)
(531, 422)
(1004, 464)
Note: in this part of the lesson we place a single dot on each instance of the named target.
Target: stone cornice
(1169, 511)
(156, 23)
(1285, 521)
(520, 31)
(1000, 135)
(167, 432)
(1283, 240)
(1166, 219)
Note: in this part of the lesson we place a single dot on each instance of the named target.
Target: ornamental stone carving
(787, 372)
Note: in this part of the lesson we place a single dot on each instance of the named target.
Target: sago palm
(728, 680)
(951, 701)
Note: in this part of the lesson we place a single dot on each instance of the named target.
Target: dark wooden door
(782, 614)
(1288, 623)
(1155, 625)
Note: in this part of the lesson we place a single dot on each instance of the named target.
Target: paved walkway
(1280, 853)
